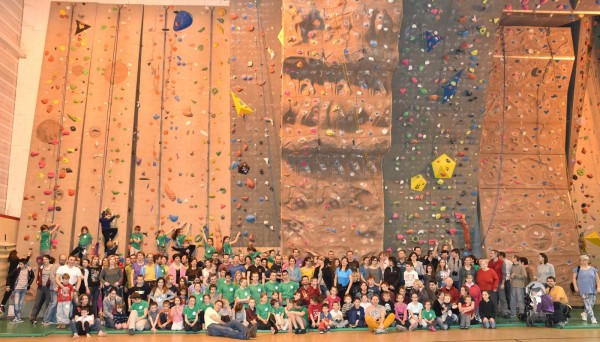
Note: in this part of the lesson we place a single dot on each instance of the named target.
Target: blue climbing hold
(432, 40)
(183, 20)
(450, 88)
(250, 218)
(173, 218)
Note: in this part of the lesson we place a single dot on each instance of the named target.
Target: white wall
(35, 22)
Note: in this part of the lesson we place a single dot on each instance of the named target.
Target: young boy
(347, 305)
(467, 312)
(451, 309)
(387, 303)
(372, 288)
(83, 322)
(164, 316)
(356, 315)
(337, 317)
(428, 316)
(120, 317)
(152, 322)
(65, 297)
(410, 275)
(280, 319)
(136, 240)
(138, 314)
(298, 316)
(45, 236)
(324, 320)
(314, 309)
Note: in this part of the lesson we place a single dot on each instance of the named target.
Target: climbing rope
(210, 94)
(162, 110)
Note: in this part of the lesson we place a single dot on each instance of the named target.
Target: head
(468, 299)
(153, 307)
(551, 281)
(356, 302)
(469, 279)
(543, 258)
(485, 295)
(325, 307)
(448, 282)
(414, 297)
(192, 301)
(135, 297)
(166, 305)
(65, 278)
(428, 304)
(399, 298)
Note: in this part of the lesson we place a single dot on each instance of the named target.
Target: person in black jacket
(13, 263)
(20, 280)
(393, 275)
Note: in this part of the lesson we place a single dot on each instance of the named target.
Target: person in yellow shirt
(561, 302)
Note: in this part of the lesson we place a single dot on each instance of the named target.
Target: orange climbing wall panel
(524, 198)
(107, 133)
(338, 63)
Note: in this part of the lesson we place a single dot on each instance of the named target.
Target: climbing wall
(338, 62)
(439, 92)
(585, 161)
(106, 144)
(525, 203)
(255, 157)
(53, 168)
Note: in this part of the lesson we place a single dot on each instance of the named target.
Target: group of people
(236, 294)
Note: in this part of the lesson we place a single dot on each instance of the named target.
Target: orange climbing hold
(250, 183)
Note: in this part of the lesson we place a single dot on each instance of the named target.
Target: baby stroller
(538, 306)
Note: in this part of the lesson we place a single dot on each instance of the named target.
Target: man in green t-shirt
(138, 313)
(227, 289)
(256, 288)
(272, 285)
(288, 287)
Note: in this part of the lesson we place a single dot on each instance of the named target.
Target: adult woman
(160, 292)
(419, 289)
(342, 279)
(375, 271)
(193, 272)
(442, 273)
(112, 277)
(44, 284)
(293, 270)
(13, 262)
(392, 275)
(587, 283)
(308, 268)
(92, 283)
(109, 307)
(544, 269)
(177, 269)
(417, 265)
(323, 275)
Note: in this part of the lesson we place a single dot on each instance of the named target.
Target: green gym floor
(26, 329)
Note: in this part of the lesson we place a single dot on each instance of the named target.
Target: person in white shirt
(337, 316)
(75, 275)
(410, 275)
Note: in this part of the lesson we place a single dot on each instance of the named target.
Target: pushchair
(539, 307)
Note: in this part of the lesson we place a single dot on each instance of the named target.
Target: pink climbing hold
(405, 62)
(34, 153)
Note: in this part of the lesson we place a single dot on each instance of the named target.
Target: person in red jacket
(451, 290)
(488, 280)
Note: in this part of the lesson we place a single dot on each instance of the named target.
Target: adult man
(287, 287)
(518, 278)
(256, 268)
(75, 276)
(272, 285)
(503, 292)
(352, 262)
(401, 264)
(304, 291)
(375, 317)
(455, 264)
(235, 266)
(234, 328)
(276, 268)
(227, 289)
(451, 290)
(226, 264)
(561, 302)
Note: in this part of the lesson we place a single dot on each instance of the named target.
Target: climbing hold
(173, 218)
(251, 218)
(451, 87)
(183, 20)
(443, 167)
(418, 182)
(432, 40)
(250, 183)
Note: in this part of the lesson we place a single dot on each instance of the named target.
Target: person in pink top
(474, 290)
(177, 314)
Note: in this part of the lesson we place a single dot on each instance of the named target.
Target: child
(487, 311)
(111, 248)
(165, 321)
(177, 315)
(138, 313)
(65, 297)
(467, 312)
(451, 308)
(314, 309)
(325, 321)
(136, 240)
(264, 315)
(364, 301)
(428, 316)
(414, 309)
(356, 315)
(162, 238)
(83, 322)
(109, 226)
(179, 235)
(152, 322)
(279, 312)
(298, 315)
(85, 239)
(227, 244)
(385, 287)
(372, 288)
(190, 316)
(337, 317)
(347, 305)
(410, 275)
(401, 313)
(333, 297)
(45, 236)
(120, 317)
(387, 303)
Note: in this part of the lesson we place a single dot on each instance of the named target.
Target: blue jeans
(97, 326)
(232, 329)
(517, 299)
(50, 316)
(19, 299)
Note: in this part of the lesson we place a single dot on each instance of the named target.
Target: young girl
(120, 317)
(428, 316)
(85, 240)
(45, 236)
(414, 309)
(177, 314)
(83, 322)
(467, 312)
(227, 244)
(487, 311)
(179, 235)
(279, 312)
(136, 240)
(400, 310)
(333, 297)
(190, 316)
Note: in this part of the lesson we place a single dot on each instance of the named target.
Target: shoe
(432, 328)
(253, 329)
(101, 333)
(378, 331)
(321, 332)
(400, 327)
(33, 321)
(593, 319)
(297, 331)
(2, 310)
(583, 316)
(130, 332)
(302, 331)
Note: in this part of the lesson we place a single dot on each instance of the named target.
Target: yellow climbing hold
(418, 182)
(474, 53)
(241, 108)
(330, 133)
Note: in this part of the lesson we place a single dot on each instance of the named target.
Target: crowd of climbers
(235, 294)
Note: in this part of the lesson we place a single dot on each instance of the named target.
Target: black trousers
(195, 328)
(267, 326)
(83, 329)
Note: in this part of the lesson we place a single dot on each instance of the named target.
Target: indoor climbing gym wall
(254, 120)
(430, 172)
(336, 107)
(524, 197)
(132, 104)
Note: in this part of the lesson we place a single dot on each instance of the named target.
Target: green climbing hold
(221, 20)
(72, 86)
(200, 47)
(423, 91)
(215, 91)
(115, 192)
(223, 191)
(202, 29)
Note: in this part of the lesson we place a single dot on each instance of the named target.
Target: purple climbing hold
(450, 88)
(183, 20)
(432, 40)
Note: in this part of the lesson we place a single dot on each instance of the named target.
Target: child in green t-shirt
(227, 242)
(428, 316)
(45, 236)
(136, 240)
(298, 316)
(85, 240)
(162, 238)
(191, 319)
(279, 313)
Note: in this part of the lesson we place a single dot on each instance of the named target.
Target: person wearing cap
(587, 283)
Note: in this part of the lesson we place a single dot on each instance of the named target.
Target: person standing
(518, 279)
(21, 278)
(587, 283)
(44, 283)
(544, 269)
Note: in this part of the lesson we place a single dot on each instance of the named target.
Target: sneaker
(33, 321)
(432, 328)
(101, 333)
(302, 331)
(400, 327)
(297, 331)
(130, 332)
(2, 310)
(583, 316)
(253, 329)
(593, 319)
(321, 332)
